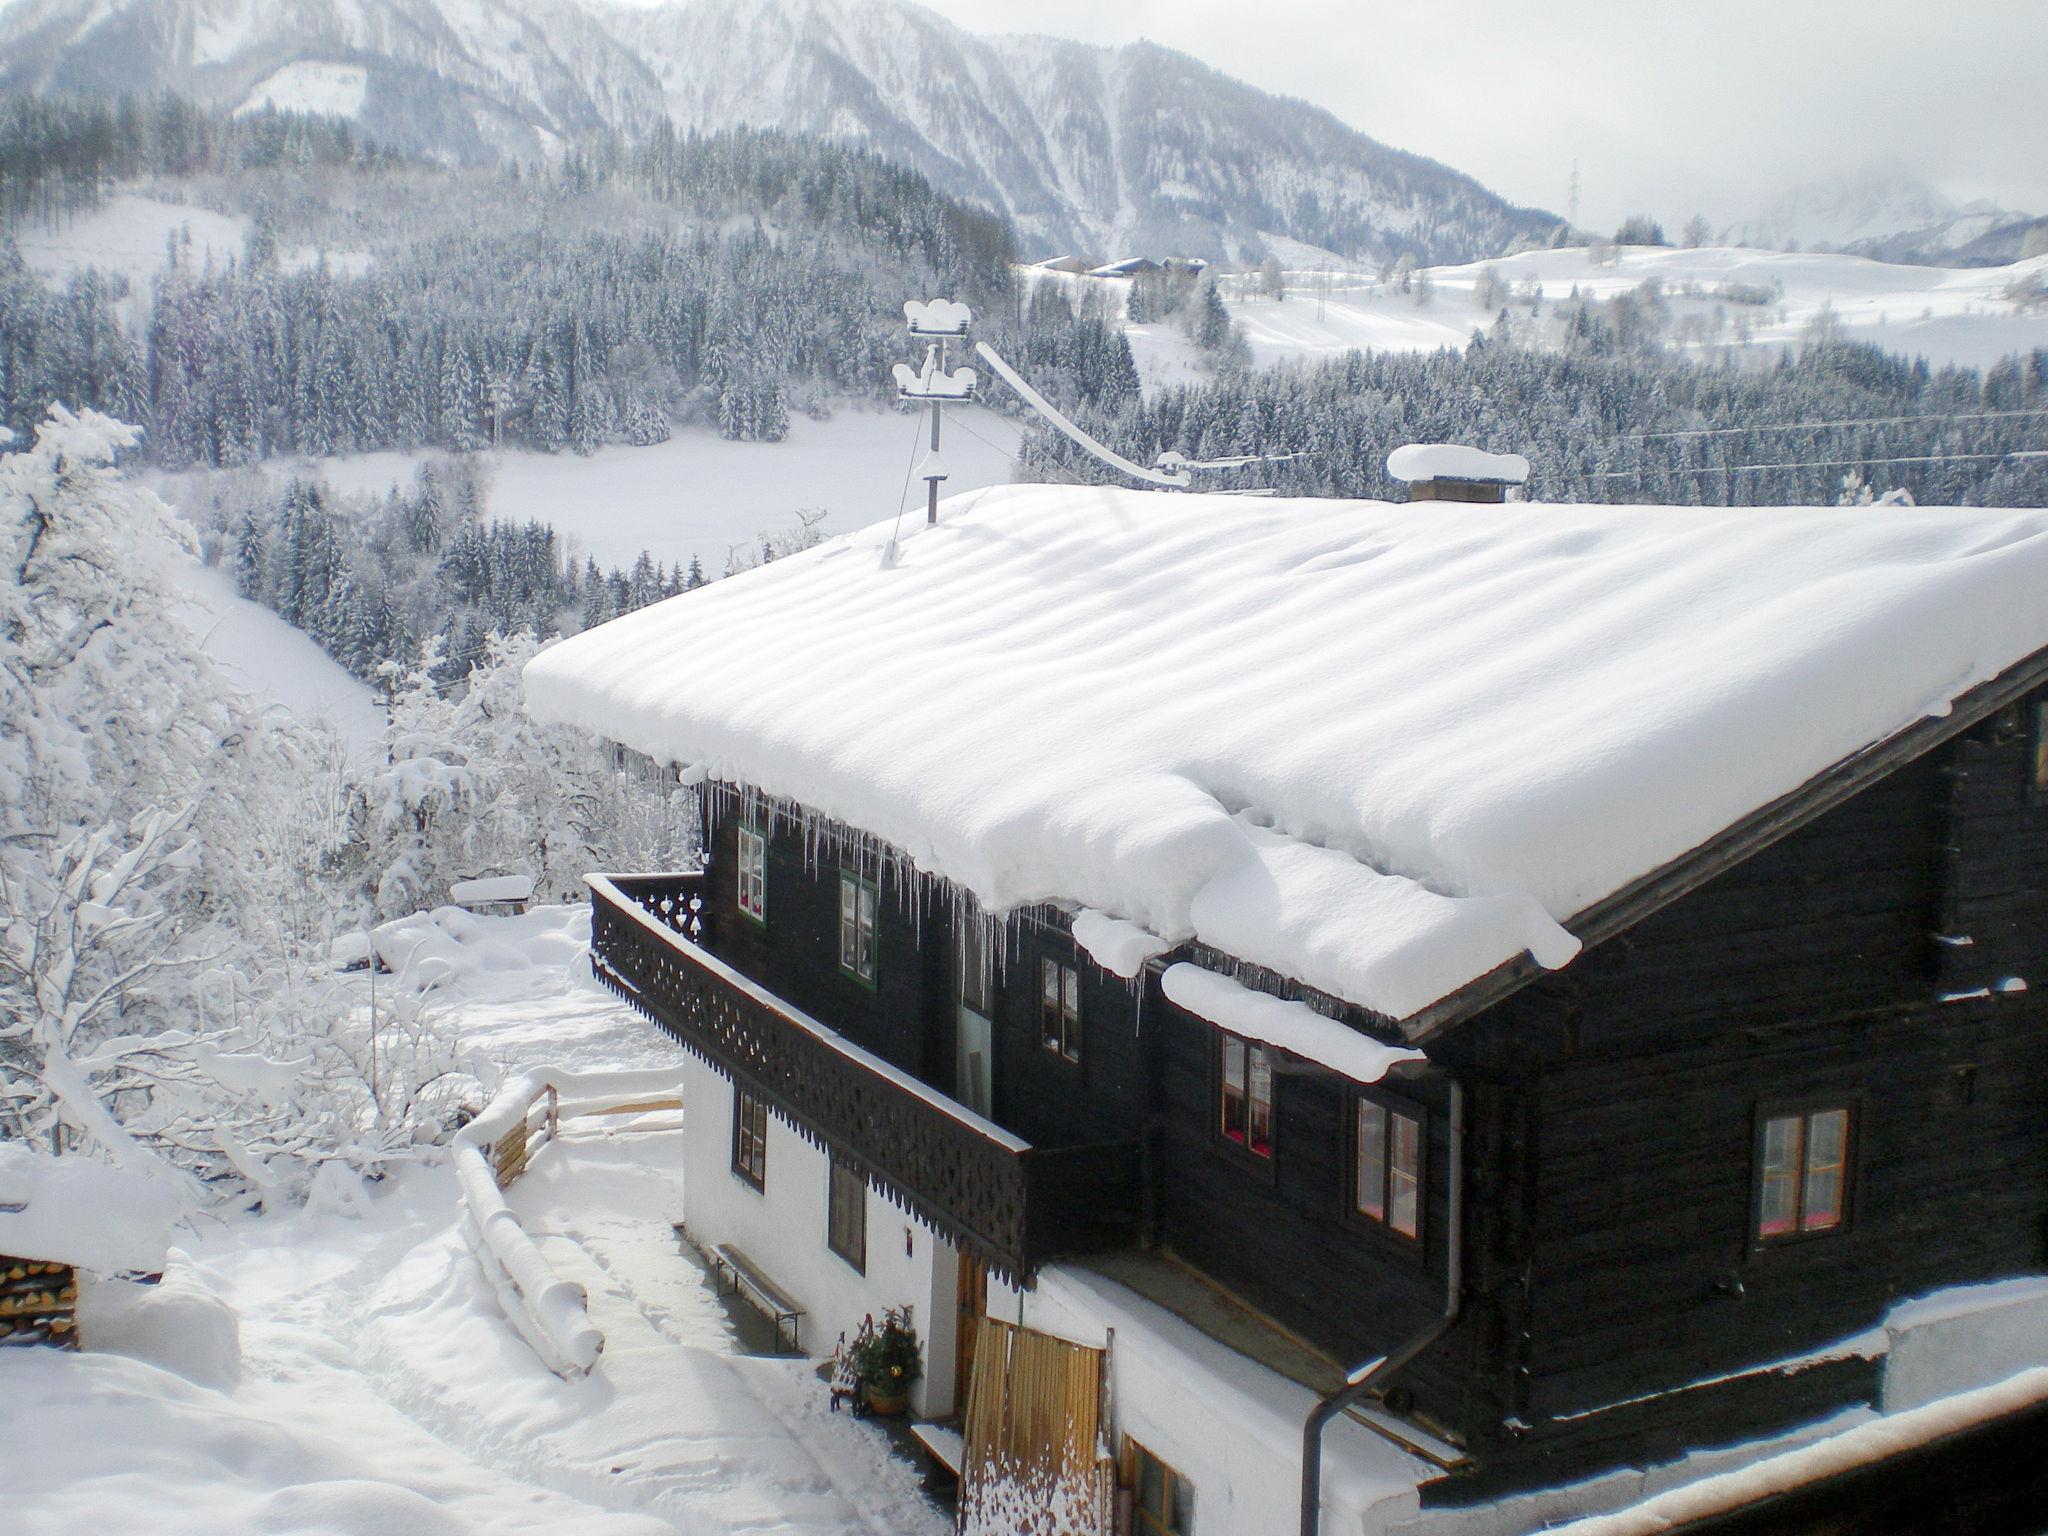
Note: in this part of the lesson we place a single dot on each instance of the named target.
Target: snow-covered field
(700, 494)
(376, 1389)
(1947, 315)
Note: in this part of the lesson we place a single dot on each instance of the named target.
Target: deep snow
(357, 1377)
(1378, 748)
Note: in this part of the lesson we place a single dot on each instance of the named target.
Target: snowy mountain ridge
(1095, 150)
(1885, 213)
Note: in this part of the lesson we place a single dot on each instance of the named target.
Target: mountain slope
(1886, 214)
(467, 79)
(1099, 151)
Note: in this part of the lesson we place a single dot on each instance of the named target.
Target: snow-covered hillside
(280, 665)
(1098, 149)
(470, 79)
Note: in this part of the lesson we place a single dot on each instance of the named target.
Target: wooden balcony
(1012, 1204)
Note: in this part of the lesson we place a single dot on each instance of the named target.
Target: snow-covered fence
(551, 1313)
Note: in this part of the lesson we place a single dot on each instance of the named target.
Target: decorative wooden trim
(1010, 1203)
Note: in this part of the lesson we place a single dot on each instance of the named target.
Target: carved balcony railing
(1010, 1203)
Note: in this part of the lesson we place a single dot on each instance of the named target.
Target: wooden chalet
(1608, 1144)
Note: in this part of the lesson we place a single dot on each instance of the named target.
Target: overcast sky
(1668, 106)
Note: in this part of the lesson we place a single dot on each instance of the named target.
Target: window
(2037, 753)
(1387, 1184)
(857, 926)
(1802, 1173)
(971, 950)
(1247, 1094)
(1059, 1008)
(753, 875)
(749, 1137)
(1162, 1501)
(846, 1215)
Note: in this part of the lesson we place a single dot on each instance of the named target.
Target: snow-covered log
(550, 1313)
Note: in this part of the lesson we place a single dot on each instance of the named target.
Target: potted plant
(885, 1358)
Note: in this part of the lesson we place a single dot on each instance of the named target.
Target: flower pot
(885, 1402)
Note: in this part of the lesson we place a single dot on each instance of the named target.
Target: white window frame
(751, 886)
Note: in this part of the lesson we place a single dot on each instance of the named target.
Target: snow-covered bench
(494, 895)
(750, 1281)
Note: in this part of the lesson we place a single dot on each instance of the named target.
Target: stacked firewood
(38, 1303)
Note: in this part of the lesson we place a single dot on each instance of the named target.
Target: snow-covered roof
(72, 1210)
(1382, 749)
(491, 888)
(1452, 461)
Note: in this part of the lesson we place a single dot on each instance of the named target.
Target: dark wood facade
(1618, 1307)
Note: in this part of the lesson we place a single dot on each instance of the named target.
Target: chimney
(1450, 472)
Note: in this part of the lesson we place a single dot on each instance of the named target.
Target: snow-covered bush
(166, 868)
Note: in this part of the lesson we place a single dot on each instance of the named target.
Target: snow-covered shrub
(167, 856)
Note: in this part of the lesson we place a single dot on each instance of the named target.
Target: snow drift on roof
(1449, 461)
(1136, 701)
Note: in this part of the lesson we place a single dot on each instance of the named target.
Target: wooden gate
(1034, 1462)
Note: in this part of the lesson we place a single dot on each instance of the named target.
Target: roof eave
(1751, 835)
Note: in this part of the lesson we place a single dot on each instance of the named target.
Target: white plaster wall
(1228, 1425)
(782, 1229)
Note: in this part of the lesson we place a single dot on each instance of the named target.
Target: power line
(1816, 426)
(1737, 469)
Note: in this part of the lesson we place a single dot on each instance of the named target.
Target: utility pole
(941, 320)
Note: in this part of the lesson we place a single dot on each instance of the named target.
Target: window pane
(1070, 989)
(1233, 1062)
(1261, 1095)
(1180, 1520)
(1777, 1212)
(1372, 1160)
(1049, 984)
(1151, 1485)
(1827, 1152)
(1404, 1176)
(2041, 747)
(849, 935)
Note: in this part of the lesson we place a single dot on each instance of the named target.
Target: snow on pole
(934, 384)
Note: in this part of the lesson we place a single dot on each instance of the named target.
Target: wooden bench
(728, 1263)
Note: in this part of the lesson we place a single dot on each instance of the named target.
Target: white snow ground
(380, 1392)
(701, 494)
(282, 666)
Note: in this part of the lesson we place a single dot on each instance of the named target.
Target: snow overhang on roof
(1418, 462)
(1384, 750)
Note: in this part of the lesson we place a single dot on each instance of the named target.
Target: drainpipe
(1361, 1381)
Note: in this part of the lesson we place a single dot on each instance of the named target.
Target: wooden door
(972, 1307)
(1032, 1435)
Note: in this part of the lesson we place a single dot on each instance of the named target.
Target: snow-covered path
(380, 1391)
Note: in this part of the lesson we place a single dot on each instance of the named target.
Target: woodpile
(38, 1303)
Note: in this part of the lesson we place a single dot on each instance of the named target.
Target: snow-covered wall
(782, 1229)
